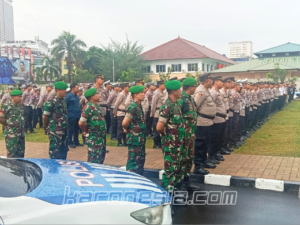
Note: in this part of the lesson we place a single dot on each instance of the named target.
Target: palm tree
(67, 44)
(38, 73)
(49, 69)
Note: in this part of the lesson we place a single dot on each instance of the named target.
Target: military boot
(199, 170)
(187, 186)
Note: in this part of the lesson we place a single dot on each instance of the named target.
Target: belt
(221, 115)
(205, 116)
(112, 107)
(121, 110)
(157, 108)
(260, 102)
(227, 110)
(103, 105)
(231, 110)
(27, 105)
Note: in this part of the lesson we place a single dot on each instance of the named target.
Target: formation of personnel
(192, 121)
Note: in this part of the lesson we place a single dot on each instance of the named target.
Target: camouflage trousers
(173, 161)
(96, 149)
(58, 147)
(15, 147)
(188, 159)
(136, 159)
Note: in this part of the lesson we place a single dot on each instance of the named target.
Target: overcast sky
(213, 23)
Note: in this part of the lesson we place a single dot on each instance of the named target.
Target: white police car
(45, 191)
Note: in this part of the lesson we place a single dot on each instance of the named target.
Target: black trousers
(73, 131)
(37, 117)
(108, 120)
(236, 116)
(242, 128)
(149, 122)
(28, 118)
(114, 124)
(214, 145)
(247, 117)
(156, 136)
(201, 145)
(120, 133)
(229, 129)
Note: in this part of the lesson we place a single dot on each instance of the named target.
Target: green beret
(189, 81)
(60, 85)
(173, 84)
(16, 92)
(90, 92)
(136, 89)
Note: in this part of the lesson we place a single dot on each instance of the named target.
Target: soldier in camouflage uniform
(11, 117)
(135, 127)
(171, 127)
(189, 112)
(55, 122)
(93, 125)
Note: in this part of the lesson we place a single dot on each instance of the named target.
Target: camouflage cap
(173, 84)
(136, 89)
(90, 92)
(16, 93)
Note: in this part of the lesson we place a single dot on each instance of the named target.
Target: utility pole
(113, 69)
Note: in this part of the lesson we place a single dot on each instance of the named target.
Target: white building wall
(6, 21)
(240, 49)
(211, 63)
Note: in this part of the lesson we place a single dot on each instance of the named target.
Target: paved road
(253, 206)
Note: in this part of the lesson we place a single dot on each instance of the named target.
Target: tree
(277, 74)
(68, 45)
(147, 78)
(293, 79)
(38, 73)
(125, 55)
(49, 69)
(92, 61)
(165, 76)
(82, 75)
(127, 76)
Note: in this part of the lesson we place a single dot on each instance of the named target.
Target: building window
(203, 67)
(176, 67)
(192, 66)
(207, 67)
(160, 68)
(148, 69)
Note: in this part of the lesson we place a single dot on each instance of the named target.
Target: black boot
(187, 186)
(201, 171)
(212, 160)
(219, 157)
(209, 165)
(120, 143)
(224, 152)
(181, 195)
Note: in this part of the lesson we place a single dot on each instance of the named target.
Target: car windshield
(18, 177)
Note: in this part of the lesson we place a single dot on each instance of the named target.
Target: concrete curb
(234, 181)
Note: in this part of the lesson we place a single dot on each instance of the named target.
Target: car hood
(72, 182)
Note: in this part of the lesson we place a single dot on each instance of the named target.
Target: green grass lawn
(41, 137)
(280, 136)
